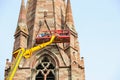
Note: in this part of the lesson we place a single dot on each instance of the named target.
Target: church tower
(58, 61)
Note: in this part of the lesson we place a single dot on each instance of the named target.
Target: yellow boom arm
(27, 54)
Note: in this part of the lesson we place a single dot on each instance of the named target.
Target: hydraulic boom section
(27, 54)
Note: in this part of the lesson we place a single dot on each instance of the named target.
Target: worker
(42, 34)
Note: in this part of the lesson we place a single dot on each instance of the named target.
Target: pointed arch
(42, 53)
(45, 65)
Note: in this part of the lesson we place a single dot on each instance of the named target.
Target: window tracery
(46, 70)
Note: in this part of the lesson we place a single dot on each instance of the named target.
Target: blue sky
(98, 25)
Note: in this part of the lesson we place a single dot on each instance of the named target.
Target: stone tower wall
(64, 57)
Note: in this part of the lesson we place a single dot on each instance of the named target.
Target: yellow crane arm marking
(27, 54)
(15, 65)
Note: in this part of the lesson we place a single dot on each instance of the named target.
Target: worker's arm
(29, 52)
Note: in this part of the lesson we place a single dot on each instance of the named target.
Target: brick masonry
(65, 57)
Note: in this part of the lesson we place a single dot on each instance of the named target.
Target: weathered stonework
(59, 61)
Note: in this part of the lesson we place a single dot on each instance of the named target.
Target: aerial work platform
(62, 36)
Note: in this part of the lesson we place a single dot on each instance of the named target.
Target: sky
(98, 25)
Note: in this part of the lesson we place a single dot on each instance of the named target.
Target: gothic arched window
(46, 70)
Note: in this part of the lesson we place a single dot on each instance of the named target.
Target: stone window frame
(39, 55)
(45, 66)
